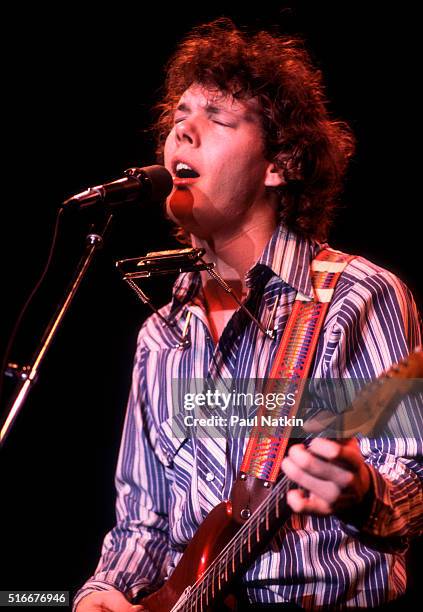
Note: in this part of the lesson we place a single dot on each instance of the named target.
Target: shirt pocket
(178, 455)
(171, 437)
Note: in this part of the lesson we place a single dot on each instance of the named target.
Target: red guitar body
(214, 533)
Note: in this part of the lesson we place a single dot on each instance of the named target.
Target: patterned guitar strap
(267, 445)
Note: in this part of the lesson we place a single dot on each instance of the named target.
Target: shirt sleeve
(376, 326)
(134, 552)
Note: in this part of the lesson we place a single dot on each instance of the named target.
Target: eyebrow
(210, 108)
(248, 114)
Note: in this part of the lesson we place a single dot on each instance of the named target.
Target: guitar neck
(241, 551)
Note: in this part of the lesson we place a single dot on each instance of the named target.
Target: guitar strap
(267, 445)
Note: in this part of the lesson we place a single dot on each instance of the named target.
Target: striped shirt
(166, 485)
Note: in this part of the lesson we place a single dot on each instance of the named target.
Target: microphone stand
(28, 374)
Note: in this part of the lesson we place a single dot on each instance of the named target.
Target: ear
(274, 176)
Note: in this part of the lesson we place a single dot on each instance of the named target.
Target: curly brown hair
(300, 137)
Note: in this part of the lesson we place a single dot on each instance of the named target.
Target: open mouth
(184, 171)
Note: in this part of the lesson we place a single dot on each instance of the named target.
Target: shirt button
(209, 476)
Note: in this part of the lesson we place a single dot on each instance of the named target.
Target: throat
(220, 305)
(217, 298)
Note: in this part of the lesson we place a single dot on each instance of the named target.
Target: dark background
(77, 89)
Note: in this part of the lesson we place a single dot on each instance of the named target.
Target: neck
(233, 255)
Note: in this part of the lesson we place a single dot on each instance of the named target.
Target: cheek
(245, 173)
(243, 158)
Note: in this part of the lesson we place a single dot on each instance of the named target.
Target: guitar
(225, 545)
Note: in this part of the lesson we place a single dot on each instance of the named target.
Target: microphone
(139, 185)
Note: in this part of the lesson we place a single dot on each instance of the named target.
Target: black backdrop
(77, 89)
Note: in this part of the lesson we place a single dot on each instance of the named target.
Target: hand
(334, 474)
(107, 601)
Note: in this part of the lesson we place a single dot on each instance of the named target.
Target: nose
(187, 132)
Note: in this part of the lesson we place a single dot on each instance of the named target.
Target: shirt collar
(287, 255)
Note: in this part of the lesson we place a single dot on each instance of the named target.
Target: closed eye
(221, 123)
(180, 119)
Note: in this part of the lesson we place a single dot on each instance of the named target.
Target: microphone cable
(28, 301)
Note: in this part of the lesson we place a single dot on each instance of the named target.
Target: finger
(301, 503)
(327, 490)
(321, 468)
(347, 454)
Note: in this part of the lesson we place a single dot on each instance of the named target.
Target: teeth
(182, 166)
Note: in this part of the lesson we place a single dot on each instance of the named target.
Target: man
(258, 164)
